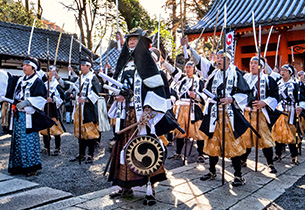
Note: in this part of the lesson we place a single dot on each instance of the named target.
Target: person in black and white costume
(268, 114)
(146, 96)
(27, 120)
(284, 130)
(185, 94)
(54, 101)
(90, 89)
(237, 91)
(7, 86)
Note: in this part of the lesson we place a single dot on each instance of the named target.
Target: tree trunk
(174, 24)
(39, 10)
(27, 5)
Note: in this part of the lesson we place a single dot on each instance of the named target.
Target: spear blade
(56, 52)
(267, 43)
(254, 31)
(31, 36)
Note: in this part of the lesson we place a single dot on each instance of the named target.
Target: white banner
(230, 44)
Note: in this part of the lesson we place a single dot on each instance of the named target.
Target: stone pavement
(182, 190)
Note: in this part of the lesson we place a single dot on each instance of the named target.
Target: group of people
(154, 99)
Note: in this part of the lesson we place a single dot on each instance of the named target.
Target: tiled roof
(113, 56)
(239, 14)
(14, 39)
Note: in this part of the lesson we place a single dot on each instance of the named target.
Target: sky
(55, 12)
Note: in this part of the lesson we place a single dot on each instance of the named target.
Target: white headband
(31, 64)
(228, 55)
(255, 58)
(288, 67)
(86, 63)
(154, 56)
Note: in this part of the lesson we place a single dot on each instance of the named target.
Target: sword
(31, 36)
(56, 52)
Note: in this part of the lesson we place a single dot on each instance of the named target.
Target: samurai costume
(171, 97)
(56, 93)
(90, 89)
(26, 121)
(284, 130)
(235, 123)
(182, 109)
(7, 86)
(144, 87)
(267, 116)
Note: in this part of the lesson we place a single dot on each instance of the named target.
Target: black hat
(32, 61)
(136, 32)
(87, 61)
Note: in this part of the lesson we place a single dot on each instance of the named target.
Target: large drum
(144, 155)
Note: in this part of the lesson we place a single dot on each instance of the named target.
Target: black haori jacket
(7, 86)
(37, 95)
(239, 90)
(90, 113)
(152, 87)
(269, 94)
(57, 94)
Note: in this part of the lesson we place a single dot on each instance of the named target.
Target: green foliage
(15, 12)
(135, 15)
(167, 39)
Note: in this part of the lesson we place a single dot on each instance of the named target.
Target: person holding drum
(138, 154)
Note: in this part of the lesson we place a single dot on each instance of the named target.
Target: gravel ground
(292, 199)
(57, 172)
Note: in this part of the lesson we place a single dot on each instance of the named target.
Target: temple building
(286, 16)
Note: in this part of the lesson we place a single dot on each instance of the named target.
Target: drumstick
(128, 128)
(132, 126)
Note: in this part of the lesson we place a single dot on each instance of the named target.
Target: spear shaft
(48, 95)
(258, 94)
(214, 35)
(224, 95)
(80, 95)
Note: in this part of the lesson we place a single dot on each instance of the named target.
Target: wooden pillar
(283, 51)
(238, 52)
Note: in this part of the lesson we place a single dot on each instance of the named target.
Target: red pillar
(283, 50)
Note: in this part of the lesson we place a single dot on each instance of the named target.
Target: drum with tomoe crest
(144, 155)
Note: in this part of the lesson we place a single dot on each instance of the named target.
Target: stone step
(32, 198)
(14, 185)
(4, 177)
